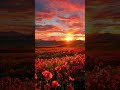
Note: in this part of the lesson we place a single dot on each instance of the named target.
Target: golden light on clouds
(81, 38)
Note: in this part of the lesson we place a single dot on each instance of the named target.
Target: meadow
(102, 66)
(60, 68)
(16, 69)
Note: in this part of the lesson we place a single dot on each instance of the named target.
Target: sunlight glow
(81, 38)
(69, 37)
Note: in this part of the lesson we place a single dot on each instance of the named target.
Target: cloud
(47, 35)
(76, 26)
(60, 5)
(56, 18)
(17, 15)
(46, 31)
(102, 15)
(66, 5)
(44, 15)
(47, 28)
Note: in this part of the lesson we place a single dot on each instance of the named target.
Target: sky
(52, 19)
(17, 16)
(102, 16)
(57, 19)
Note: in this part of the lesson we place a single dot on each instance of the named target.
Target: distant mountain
(15, 39)
(10, 34)
(102, 38)
(56, 43)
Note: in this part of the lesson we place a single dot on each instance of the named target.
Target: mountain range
(15, 39)
(102, 38)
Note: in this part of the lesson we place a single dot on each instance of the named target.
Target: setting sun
(68, 38)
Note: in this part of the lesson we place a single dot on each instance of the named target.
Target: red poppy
(71, 79)
(59, 75)
(57, 68)
(55, 84)
(47, 86)
(70, 87)
(48, 75)
(101, 87)
(36, 76)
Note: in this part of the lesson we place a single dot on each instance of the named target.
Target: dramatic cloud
(44, 15)
(17, 15)
(56, 18)
(47, 28)
(102, 16)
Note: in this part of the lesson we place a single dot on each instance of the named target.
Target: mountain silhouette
(103, 38)
(15, 39)
(55, 43)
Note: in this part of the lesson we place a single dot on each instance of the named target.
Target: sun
(68, 38)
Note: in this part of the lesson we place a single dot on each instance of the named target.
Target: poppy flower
(47, 86)
(57, 68)
(55, 84)
(70, 87)
(71, 79)
(48, 75)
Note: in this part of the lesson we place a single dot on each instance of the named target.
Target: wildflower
(65, 81)
(101, 87)
(55, 84)
(36, 76)
(71, 79)
(57, 68)
(70, 87)
(47, 86)
(96, 68)
(48, 75)
(11, 71)
(113, 85)
(77, 79)
(59, 75)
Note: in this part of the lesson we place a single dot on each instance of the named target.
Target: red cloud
(47, 28)
(45, 35)
(76, 25)
(44, 15)
(66, 6)
(71, 20)
(73, 23)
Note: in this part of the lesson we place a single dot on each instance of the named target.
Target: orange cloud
(44, 15)
(71, 20)
(56, 18)
(17, 16)
(47, 28)
(66, 6)
(76, 26)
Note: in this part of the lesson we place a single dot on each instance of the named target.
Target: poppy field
(62, 69)
(17, 71)
(102, 70)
